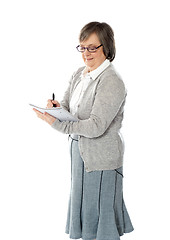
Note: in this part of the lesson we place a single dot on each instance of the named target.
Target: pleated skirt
(96, 207)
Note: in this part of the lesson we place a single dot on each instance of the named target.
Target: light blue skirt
(96, 206)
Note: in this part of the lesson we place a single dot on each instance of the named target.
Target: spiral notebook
(57, 112)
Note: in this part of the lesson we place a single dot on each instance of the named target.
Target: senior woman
(96, 96)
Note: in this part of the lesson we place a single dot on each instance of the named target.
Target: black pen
(53, 97)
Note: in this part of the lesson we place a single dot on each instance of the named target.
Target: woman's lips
(89, 59)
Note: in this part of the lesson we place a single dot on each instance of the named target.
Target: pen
(53, 98)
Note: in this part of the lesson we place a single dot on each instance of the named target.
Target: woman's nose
(86, 52)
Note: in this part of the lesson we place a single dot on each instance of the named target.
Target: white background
(37, 58)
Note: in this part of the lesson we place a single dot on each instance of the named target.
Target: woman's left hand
(45, 116)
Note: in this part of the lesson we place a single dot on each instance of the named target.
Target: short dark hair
(105, 34)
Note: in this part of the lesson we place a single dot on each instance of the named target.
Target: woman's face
(93, 60)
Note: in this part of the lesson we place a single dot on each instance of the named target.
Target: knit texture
(100, 115)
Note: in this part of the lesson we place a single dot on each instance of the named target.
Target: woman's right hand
(51, 102)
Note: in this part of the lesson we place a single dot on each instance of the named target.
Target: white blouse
(81, 87)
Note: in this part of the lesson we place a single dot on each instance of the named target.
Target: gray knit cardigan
(100, 115)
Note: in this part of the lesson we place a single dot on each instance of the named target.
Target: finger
(39, 114)
(56, 102)
(35, 110)
(48, 118)
(49, 103)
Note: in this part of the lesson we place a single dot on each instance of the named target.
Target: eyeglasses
(91, 49)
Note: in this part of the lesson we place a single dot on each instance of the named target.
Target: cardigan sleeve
(110, 95)
(65, 101)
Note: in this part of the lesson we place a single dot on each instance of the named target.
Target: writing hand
(51, 102)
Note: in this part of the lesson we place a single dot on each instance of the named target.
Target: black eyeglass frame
(84, 48)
